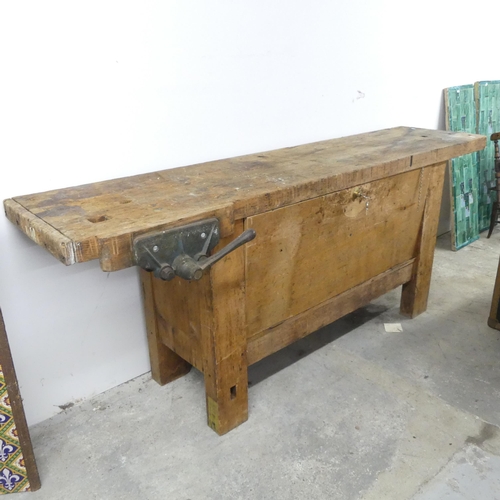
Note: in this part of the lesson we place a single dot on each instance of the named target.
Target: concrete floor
(351, 412)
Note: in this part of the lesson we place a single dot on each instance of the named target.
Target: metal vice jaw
(184, 251)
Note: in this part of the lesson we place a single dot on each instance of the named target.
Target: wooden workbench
(337, 224)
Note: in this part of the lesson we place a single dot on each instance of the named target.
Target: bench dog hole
(233, 392)
(97, 218)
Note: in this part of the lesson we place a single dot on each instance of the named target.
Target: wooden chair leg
(494, 217)
(494, 317)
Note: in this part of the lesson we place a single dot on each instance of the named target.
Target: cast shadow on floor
(316, 340)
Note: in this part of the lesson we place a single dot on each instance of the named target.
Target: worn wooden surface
(311, 263)
(224, 339)
(314, 250)
(283, 334)
(416, 291)
(203, 323)
(40, 232)
(178, 308)
(166, 365)
(99, 221)
(338, 223)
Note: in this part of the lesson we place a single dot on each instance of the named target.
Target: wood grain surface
(224, 340)
(314, 250)
(166, 364)
(100, 220)
(416, 292)
(283, 334)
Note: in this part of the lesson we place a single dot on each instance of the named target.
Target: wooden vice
(241, 257)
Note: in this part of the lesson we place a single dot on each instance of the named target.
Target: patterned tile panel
(461, 116)
(487, 96)
(13, 475)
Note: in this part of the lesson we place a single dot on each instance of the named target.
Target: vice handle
(189, 269)
(243, 238)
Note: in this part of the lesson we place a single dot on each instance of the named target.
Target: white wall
(99, 89)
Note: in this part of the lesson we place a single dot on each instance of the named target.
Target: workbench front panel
(309, 252)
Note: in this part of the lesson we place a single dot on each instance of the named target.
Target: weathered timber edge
(43, 234)
(112, 244)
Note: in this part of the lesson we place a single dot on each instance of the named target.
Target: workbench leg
(225, 344)
(416, 291)
(226, 386)
(166, 365)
